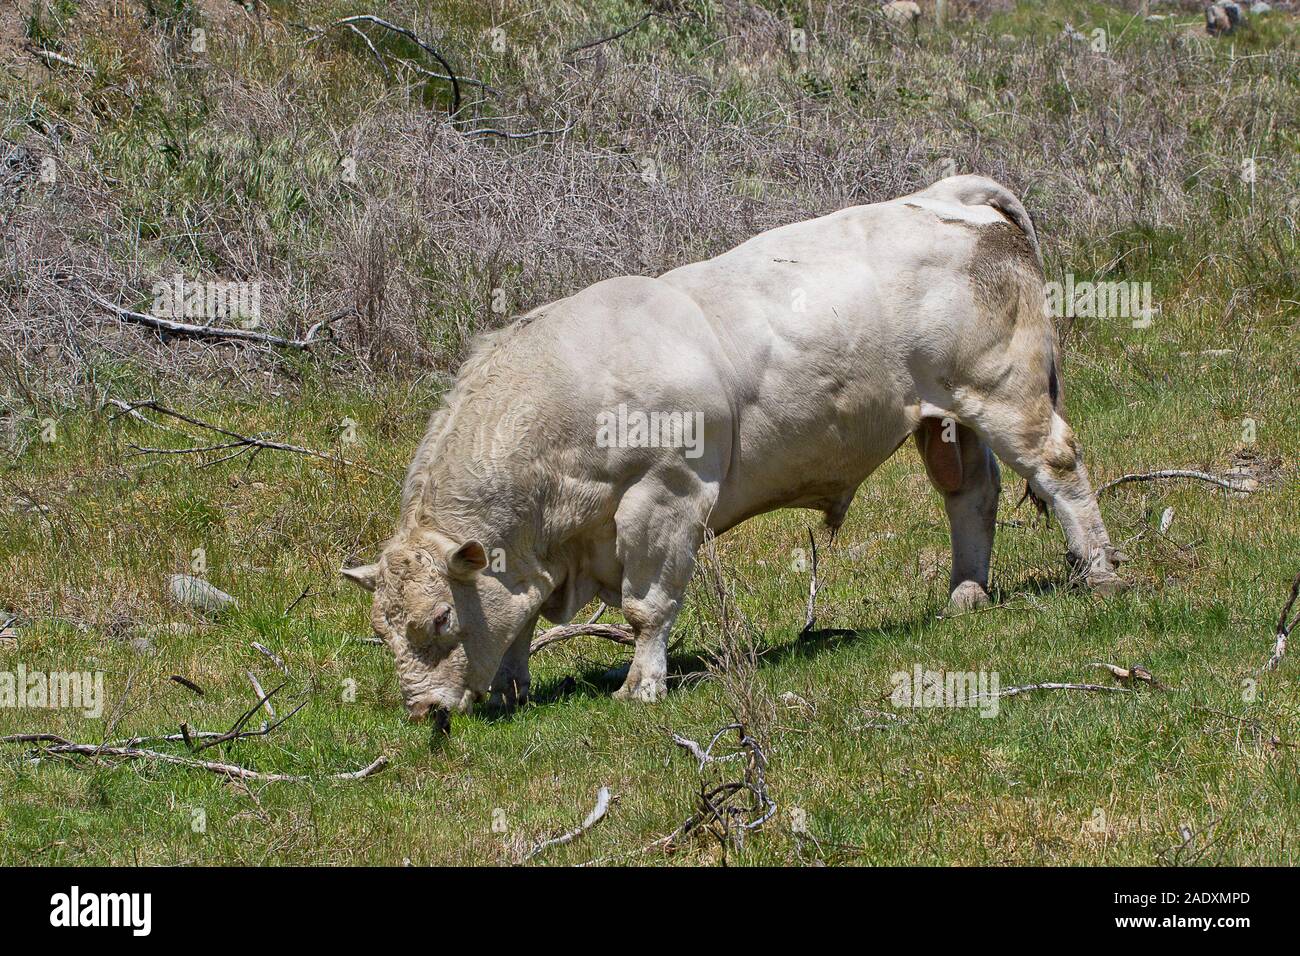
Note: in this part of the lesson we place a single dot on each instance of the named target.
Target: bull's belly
(818, 465)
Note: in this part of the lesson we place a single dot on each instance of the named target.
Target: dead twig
(1027, 688)
(718, 812)
(257, 687)
(810, 614)
(619, 633)
(237, 732)
(704, 755)
(1173, 473)
(352, 23)
(242, 443)
(1283, 630)
(618, 34)
(266, 652)
(306, 593)
(50, 58)
(597, 814)
(504, 134)
(187, 683)
(220, 332)
(64, 747)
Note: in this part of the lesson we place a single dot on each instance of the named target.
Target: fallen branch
(225, 769)
(618, 633)
(49, 58)
(1095, 688)
(595, 816)
(130, 411)
(704, 755)
(503, 134)
(614, 632)
(717, 812)
(306, 593)
(240, 443)
(1173, 473)
(1284, 629)
(220, 332)
(434, 74)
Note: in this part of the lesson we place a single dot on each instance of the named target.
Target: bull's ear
(467, 560)
(364, 577)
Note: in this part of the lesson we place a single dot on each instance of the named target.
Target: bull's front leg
(659, 532)
(510, 685)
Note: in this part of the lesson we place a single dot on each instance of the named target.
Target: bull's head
(446, 619)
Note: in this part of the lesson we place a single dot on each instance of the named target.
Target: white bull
(585, 449)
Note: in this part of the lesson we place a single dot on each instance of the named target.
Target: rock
(1223, 17)
(1259, 8)
(901, 11)
(143, 646)
(188, 591)
(8, 628)
(794, 701)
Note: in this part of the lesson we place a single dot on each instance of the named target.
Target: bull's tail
(982, 191)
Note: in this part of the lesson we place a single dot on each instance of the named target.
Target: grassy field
(1129, 158)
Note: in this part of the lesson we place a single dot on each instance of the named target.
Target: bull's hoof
(646, 691)
(510, 695)
(968, 596)
(509, 699)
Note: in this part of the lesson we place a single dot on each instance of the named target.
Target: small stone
(8, 628)
(191, 592)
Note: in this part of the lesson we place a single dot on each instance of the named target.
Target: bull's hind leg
(963, 469)
(1032, 437)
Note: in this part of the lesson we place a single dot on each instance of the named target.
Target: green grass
(939, 786)
(86, 568)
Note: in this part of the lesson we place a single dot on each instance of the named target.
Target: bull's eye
(442, 619)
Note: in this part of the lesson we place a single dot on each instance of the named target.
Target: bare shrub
(302, 166)
(732, 655)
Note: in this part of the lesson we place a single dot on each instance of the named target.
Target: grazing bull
(585, 449)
